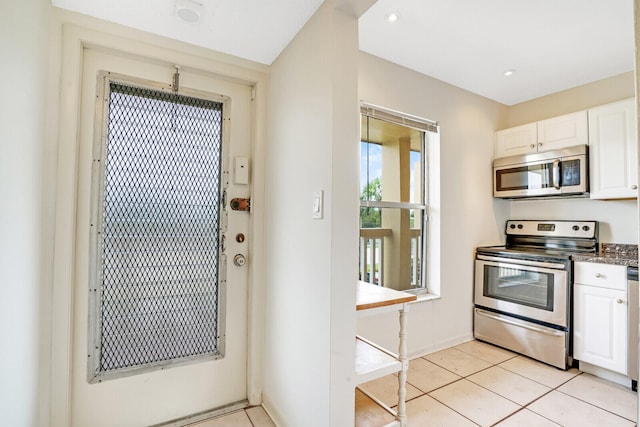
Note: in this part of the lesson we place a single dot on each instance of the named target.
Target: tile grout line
(594, 405)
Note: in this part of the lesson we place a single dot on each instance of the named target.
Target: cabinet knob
(532, 145)
(598, 275)
(619, 300)
(634, 187)
(539, 144)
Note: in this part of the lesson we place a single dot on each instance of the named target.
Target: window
(157, 285)
(394, 199)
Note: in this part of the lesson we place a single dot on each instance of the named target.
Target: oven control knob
(512, 226)
(585, 227)
(575, 228)
(519, 226)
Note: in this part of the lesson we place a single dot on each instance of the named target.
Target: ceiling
(551, 44)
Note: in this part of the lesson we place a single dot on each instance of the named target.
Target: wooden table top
(372, 296)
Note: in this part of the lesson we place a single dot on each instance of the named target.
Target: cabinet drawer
(601, 275)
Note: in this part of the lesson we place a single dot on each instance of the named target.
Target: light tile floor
(477, 384)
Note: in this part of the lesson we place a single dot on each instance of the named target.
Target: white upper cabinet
(613, 151)
(546, 135)
(563, 131)
(518, 140)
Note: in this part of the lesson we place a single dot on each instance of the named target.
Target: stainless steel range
(522, 291)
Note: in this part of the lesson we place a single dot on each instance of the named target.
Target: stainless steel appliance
(522, 291)
(632, 289)
(561, 172)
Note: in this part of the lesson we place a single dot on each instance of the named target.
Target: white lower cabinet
(600, 316)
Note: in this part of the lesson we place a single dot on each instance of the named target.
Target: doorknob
(239, 260)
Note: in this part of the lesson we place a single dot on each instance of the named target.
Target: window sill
(425, 297)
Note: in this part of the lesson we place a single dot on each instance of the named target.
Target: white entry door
(143, 379)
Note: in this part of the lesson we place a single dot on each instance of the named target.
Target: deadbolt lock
(240, 204)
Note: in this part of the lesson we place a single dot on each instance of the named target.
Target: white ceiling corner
(250, 29)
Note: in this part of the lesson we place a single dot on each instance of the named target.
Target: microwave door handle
(555, 172)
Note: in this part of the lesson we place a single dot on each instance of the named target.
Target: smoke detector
(189, 10)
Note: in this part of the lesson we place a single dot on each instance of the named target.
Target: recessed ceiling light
(392, 16)
(509, 73)
(189, 10)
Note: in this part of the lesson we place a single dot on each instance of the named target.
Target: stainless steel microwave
(562, 172)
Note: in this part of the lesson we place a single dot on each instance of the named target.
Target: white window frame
(430, 262)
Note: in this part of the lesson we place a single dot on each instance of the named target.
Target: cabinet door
(563, 131)
(600, 327)
(515, 141)
(613, 152)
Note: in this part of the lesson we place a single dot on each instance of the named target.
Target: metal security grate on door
(158, 182)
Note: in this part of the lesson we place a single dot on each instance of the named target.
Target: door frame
(74, 41)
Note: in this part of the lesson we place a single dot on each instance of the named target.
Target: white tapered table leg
(401, 416)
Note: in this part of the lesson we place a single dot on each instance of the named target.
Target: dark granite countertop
(612, 253)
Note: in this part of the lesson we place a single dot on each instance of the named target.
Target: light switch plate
(318, 205)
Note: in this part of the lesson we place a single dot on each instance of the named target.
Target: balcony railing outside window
(372, 254)
(372, 242)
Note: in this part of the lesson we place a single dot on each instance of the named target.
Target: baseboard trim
(205, 415)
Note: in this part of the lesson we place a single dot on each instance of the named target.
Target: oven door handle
(515, 323)
(522, 262)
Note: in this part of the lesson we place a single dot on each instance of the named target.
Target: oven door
(531, 289)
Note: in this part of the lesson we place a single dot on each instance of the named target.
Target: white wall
(311, 263)
(617, 218)
(469, 215)
(23, 31)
